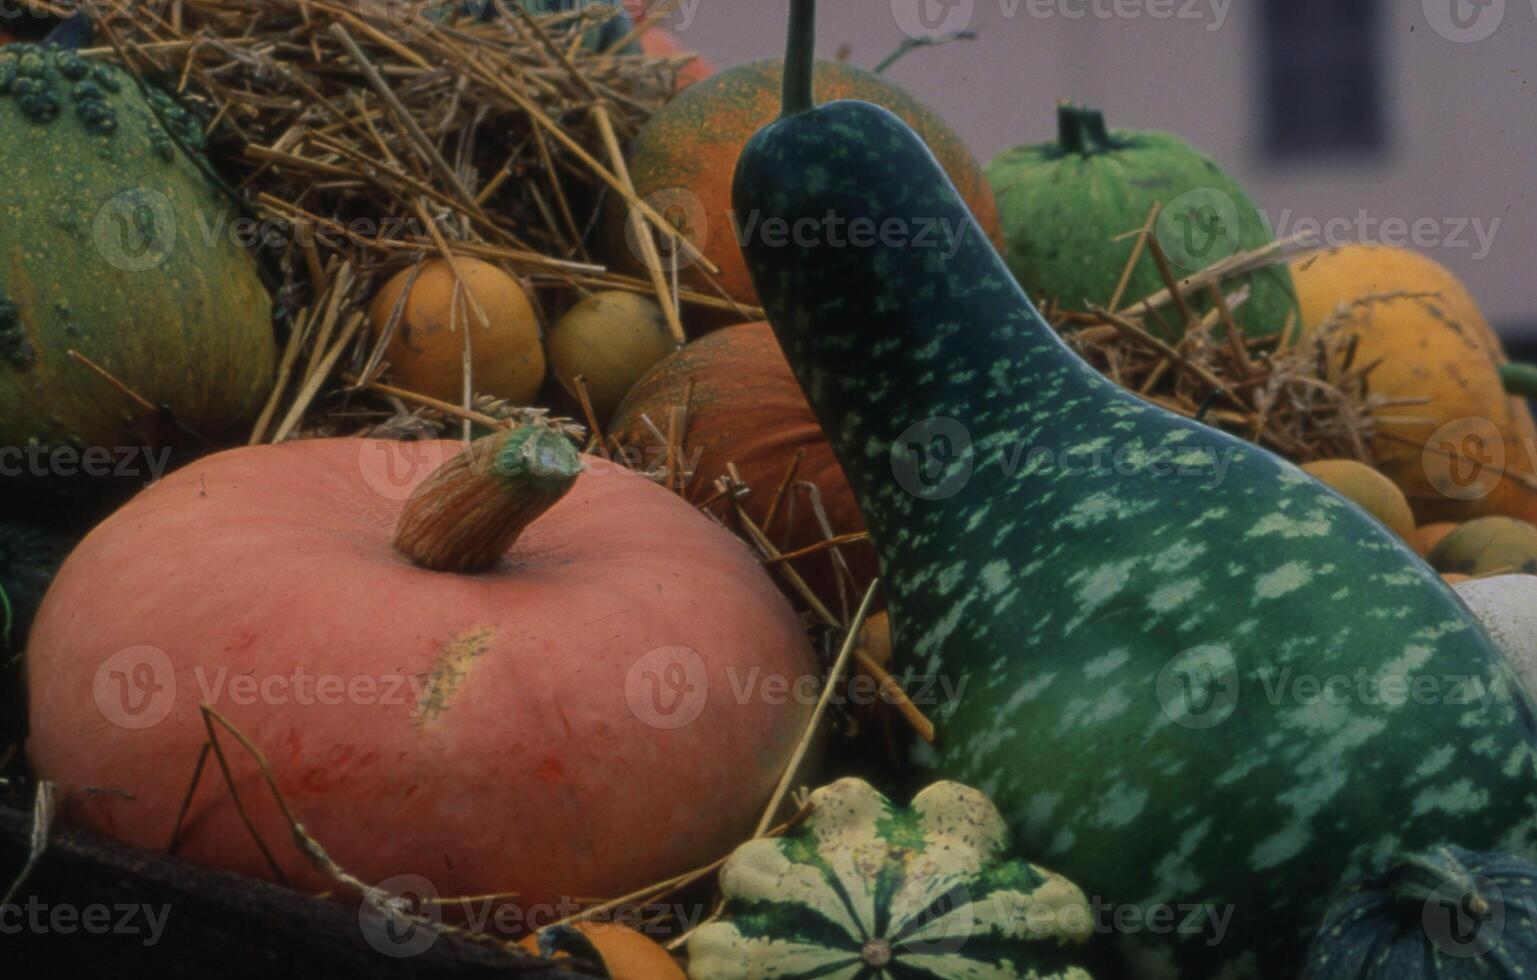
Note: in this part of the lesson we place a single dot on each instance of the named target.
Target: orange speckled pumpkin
(516, 681)
(1432, 342)
(746, 408)
(426, 353)
(684, 158)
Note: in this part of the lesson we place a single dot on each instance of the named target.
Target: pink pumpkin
(439, 692)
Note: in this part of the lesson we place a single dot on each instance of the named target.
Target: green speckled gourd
(1142, 610)
(114, 244)
(1448, 914)
(1067, 207)
(866, 891)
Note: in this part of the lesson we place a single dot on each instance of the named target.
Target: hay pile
(358, 137)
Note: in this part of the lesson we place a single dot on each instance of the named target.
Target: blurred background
(1408, 122)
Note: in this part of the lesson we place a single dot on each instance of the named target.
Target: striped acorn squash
(1447, 914)
(865, 890)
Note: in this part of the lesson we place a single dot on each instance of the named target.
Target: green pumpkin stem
(800, 58)
(1520, 379)
(1082, 130)
(465, 516)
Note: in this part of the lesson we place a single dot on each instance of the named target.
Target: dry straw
(358, 137)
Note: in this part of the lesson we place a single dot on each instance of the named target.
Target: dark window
(1322, 77)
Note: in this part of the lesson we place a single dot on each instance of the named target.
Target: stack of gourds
(1118, 630)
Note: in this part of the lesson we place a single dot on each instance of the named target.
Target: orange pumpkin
(1450, 456)
(518, 681)
(683, 159)
(746, 408)
(426, 352)
(625, 953)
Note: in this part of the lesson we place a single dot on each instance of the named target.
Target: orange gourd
(683, 159)
(426, 351)
(1488, 546)
(744, 407)
(518, 680)
(1427, 536)
(1369, 489)
(625, 953)
(1469, 450)
(610, 339)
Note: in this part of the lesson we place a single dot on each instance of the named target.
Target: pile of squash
(563, 630)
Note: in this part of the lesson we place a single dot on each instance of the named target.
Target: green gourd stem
(1419, 877)
(800, 58)
(1082, 130)
(465, 516)
(1520, 379)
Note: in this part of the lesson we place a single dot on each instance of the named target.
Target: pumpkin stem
(1082, 130)
(465, 516)
(800, 58)
(1520, 379)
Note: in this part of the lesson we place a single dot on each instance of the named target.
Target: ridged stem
(800, 58)
(1082, 130)
(465, 516)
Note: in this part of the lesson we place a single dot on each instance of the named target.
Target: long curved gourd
(1142, 641)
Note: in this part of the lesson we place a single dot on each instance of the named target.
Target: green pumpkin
(113, 243)
(1448, 914)
(1067, 208)
(865, 890)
